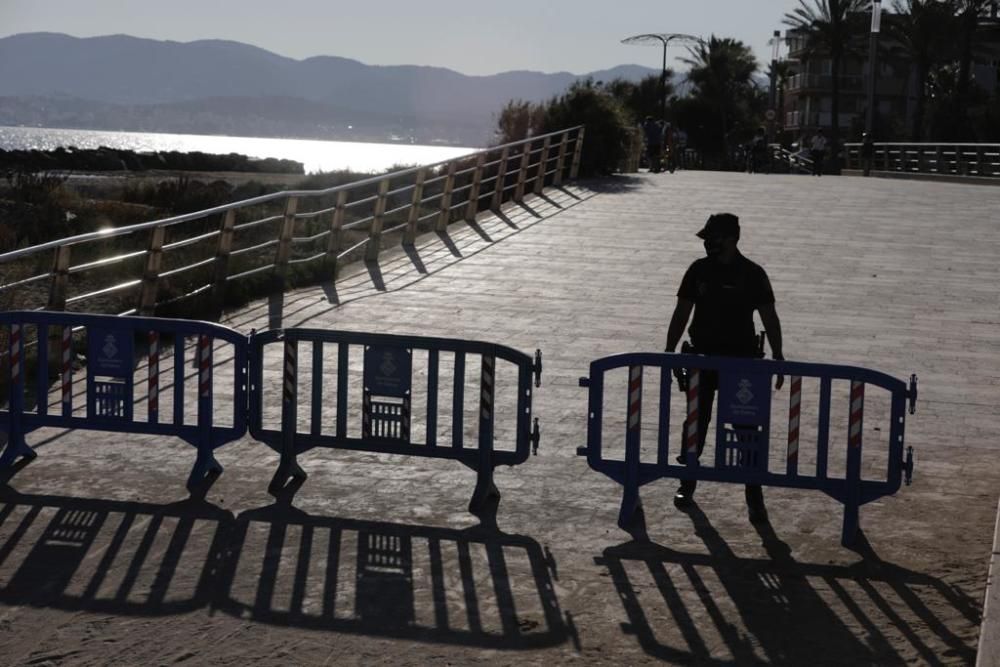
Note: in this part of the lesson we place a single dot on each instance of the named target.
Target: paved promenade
(899, 276)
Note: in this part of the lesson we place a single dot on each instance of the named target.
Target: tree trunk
(834, 153)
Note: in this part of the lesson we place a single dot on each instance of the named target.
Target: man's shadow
(778, 601)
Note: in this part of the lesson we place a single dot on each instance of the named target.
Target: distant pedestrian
(817, 152)
(867, 153)
(653, 132)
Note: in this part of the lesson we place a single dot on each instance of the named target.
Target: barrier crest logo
(745, 395)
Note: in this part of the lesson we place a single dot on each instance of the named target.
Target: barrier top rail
(167, 222)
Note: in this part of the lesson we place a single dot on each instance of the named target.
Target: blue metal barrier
(112, 388)
(743, 429)
(386, 389)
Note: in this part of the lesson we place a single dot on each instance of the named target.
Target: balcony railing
(823, 82)
(982, 160)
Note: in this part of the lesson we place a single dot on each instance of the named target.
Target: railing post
(543, 163)
(963, 163)
(887, 163)
(375, 234)
(574, 171)
(449, 185)
(222, 252)
(921, 160)
(60, 279)
(522, 174)
(980, 161)
(410, 235)
(939, 160)
(284, 252)
(151, 276)
(501, 183)
(561, 160)
(334, 243)
(477, 184)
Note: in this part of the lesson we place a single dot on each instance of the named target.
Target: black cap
(720, 224)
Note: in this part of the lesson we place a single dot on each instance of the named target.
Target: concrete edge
(988, 654)
(940, 178)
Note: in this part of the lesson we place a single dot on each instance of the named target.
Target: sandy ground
(104, 559)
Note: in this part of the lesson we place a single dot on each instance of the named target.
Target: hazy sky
(473, 37)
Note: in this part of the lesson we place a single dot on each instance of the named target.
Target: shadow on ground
(278, 565)
(794, 613)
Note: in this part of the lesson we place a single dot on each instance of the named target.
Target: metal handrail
(439, 190)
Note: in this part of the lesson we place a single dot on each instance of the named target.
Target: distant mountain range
(221, 87)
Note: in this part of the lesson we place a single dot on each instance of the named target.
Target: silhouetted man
(724, 289)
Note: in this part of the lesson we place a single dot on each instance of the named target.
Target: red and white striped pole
(794, 412)
(634, 396)
(205, 366)
(67, 370)
(857, 414)
(692, 413)
(154, 375)
(15, 353)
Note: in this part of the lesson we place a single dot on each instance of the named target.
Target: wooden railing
(981, 160)
(257, 244)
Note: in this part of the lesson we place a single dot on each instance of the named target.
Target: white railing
(146, 267)
(962, 159)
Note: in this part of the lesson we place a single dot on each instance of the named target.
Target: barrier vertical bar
(343, 359)
(288, 465)
(823, 429)
(375, 233)
(630, 494)
(410, 235)
(432, 397)
(316, 423)
(663, 433)
(477, 183)
(485, 488)
(561, 160)
(444, 217)
(458, 401)
(42, 370)
(67, 371)
(794, 411)
(543, 164)
(153, 383)
(179, 343)
(574, 171)
(205, 462)
(852, 493)
(691, 424)
(15, 436)
(498, 188)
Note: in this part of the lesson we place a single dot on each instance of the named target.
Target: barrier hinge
(584, 382)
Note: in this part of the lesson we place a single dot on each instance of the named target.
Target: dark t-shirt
(724, 297)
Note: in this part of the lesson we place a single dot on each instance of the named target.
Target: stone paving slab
(896, 275)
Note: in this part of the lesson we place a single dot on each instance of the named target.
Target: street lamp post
(665, 39)
(872, 65)
(773, 108)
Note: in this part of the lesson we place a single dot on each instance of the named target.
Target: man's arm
(679, 320)
(772, 325)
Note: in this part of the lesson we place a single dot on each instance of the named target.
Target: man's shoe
(684, 497)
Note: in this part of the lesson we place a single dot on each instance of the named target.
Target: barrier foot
(486, 491)
(631, 509)
(288, 473)
(850, 532)
(16, 447)
(206, 470)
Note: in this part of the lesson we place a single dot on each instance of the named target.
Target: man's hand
(779, 382)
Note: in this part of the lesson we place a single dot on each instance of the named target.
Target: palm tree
(830, 28)
(923, 31)
(722, 75)
(781, 71)
(968, 13)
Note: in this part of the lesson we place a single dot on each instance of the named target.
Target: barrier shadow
(280, 566)
(616, 184)
(794, 613)
(473, 587)
(107, 556)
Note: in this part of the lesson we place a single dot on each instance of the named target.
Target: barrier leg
(486, 490)
(16, 447)
(851, 518)
(205, 467)
(288, 466)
